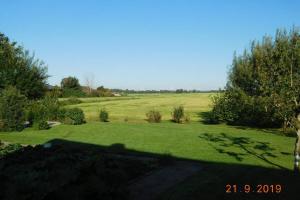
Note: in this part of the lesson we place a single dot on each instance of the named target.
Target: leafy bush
(61, 115)
(12, 109)
(41, 125)
(103, 115)
(178, 114)
(153, 116)
(69, 92)
(6, 149)
(73, 116)
(52, 106)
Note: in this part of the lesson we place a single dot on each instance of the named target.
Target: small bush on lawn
(153, 116)
(178, 114)
(41, 125)
(103, 115)
(73, 116)
(12, 109)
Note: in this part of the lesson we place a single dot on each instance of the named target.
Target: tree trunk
(297, 153)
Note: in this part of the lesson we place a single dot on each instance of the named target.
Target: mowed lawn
(194, 140)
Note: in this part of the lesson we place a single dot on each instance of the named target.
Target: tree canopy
(20, 69)
(263, 87)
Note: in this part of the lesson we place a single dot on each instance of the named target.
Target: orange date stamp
(259, 188)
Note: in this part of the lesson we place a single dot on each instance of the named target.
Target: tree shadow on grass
(76, 170)
(261, 150)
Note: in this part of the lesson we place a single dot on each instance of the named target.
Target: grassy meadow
(133, 107)
(194, 140)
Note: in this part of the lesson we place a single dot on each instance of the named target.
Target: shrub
(153, 116)
(51, 105)
(178, 114)
(41, 125)
(12, 109)
(103, 115)
(74, 116)
(72, 93)
(61, 114)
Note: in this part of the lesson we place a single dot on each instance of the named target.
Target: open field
(134, 107)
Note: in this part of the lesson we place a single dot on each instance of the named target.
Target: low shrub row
(178, 115)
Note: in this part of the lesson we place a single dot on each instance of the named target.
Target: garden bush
(153, 116)
(74, 116)
(41, 125)
(51, 104)
(12, 109)
(178, 114)
(103, 115)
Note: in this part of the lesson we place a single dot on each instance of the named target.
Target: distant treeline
(163, 91)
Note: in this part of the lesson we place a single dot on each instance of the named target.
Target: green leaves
(263, 88)
(21, 70)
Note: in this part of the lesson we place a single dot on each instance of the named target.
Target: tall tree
(70, 83)
(20, 69)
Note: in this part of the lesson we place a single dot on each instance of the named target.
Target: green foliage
(41, 125)
(153, 116)
(103, 115)
(41, 111)
(6, 149)
(178, 114)
(70, 101)
(103, 92)
(12, 109)
(74, 116)
(70, 92)
(70, 83)
(20, 69)
(52, 107)
(264, 83)
(71, 88)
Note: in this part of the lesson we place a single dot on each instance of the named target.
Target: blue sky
(143, 44)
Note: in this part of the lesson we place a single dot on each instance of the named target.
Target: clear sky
(143, 44)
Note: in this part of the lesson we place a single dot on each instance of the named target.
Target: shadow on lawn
(260, 150)
(75, 170)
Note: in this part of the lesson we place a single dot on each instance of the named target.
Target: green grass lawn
(227, 154)
(216, 143)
